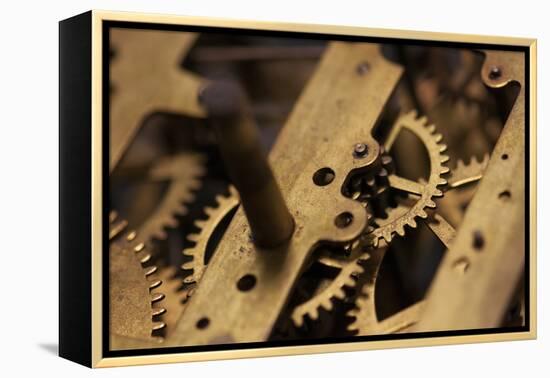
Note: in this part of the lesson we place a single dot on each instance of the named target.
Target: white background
(29, 185)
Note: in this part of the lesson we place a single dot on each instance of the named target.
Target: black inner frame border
(107, 25)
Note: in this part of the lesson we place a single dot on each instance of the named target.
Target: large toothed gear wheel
(133, 296)
(425, 192)
(215, 215)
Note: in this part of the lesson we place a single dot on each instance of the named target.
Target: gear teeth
(196, 266)
(160, 234)
(131, 236)
(467, 172)
(422, 214)
(386, 160)
(325, 299)
(181, 211)
(159, 311)
(189, 251)
(432, 140)
(327, 305)
(157, 326)
(187, 265)
(400, 230)
(189, 280)
(157, 297)
(154, 284)
(180, 192)
(193, 237)
(150, 270)
(423, 120)
(172, 223)
(145, 259)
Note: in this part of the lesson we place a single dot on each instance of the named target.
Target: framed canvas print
(237, 188)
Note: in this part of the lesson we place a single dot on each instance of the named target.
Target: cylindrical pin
(263, 203)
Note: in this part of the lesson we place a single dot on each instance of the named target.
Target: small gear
(426, 191)
(367, 185)
(133, 295)
(225, 206)
(349, 267)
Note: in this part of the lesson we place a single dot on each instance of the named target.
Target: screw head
(495, 73)
(360, 150)
(362, 68)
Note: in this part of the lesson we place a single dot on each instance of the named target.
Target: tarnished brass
(268, 217)
(385, 194)
(485, 263)
(333, 100)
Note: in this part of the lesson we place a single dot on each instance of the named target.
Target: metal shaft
(263, 203)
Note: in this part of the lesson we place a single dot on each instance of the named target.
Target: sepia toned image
(285, 189)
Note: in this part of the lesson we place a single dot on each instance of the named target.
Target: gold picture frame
(92, 26)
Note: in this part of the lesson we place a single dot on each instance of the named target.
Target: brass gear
(374, 181)
(467, 172)
(426, 191)
(133, 295)
(349, 267)
(364, 313)
(175, 299)
(215, 215)
(183, 172)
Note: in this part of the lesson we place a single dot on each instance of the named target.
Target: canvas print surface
(289, 189)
